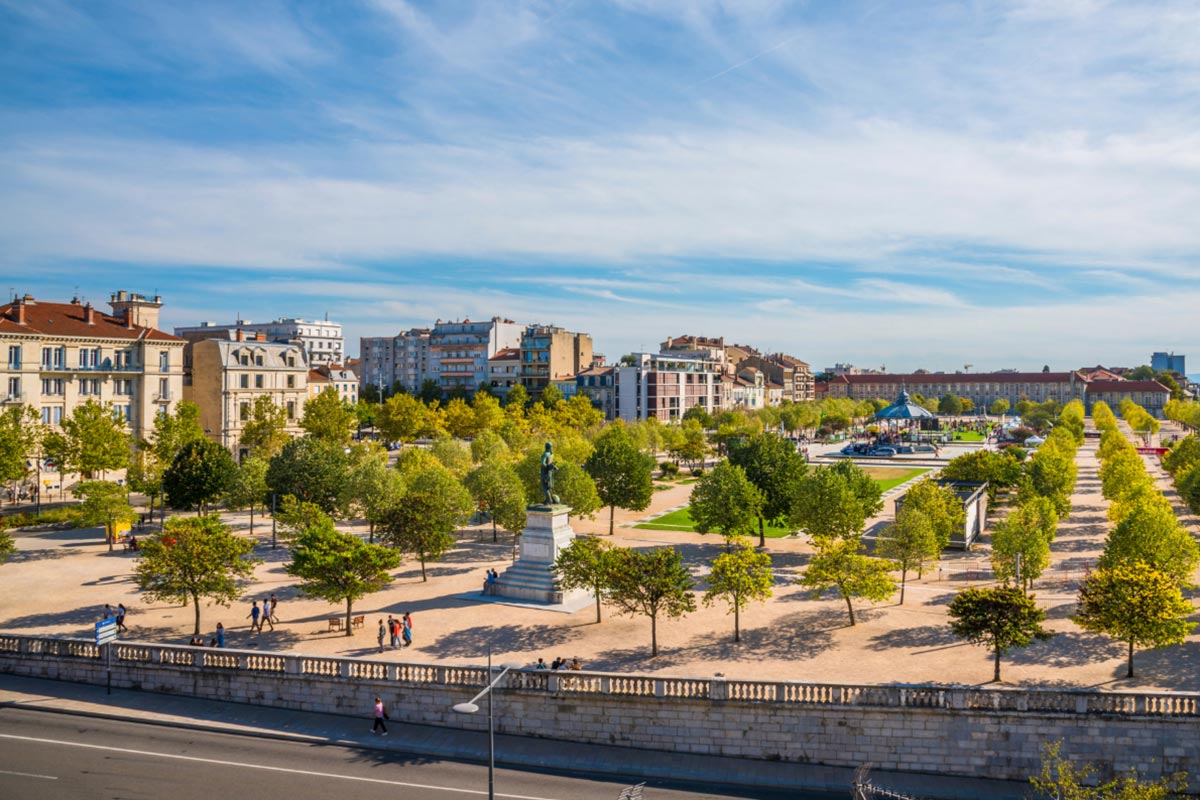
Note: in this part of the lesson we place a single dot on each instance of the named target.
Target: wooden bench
(358, 622)
(335, 623)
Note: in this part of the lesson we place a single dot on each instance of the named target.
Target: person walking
(108, 612)
(255, 625)
(407, 630)
(121, 617)
(266, 615)
(380, 710)
(381, 632)
(274, 608)
(393, 638)
(220, 635)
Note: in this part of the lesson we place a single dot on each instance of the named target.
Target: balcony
(106, 367)
(13, 399)
(164, 397)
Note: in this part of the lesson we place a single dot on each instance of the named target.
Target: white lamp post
(470, 707)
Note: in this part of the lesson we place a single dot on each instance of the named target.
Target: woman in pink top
(380, 716)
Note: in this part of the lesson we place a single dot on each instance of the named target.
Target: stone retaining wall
(993, 733)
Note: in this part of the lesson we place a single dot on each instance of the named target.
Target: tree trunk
(611, 511)
(1129, 670)
(849, 606)
(371, 529)
(737, 627)
(196, 603)
(252, 519)
(349, 607)
(108, 534)
(903, 580)
(596, 589)
(996, 674)
(424, 577)
(762, 532)
(653, 636)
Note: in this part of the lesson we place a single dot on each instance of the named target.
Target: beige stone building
(549, 354)
(226, 376)
(60, 355)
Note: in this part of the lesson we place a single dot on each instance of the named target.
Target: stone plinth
(547, 532)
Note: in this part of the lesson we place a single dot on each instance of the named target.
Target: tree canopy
(999, 618)
(738, 577)
(586, 563)
(651, 583)
(622, 474)
(772, 464)
(839, 565)
(724, 500)
(329, 418)
(312, 470)
(104, 503)
(434, 505)
(201, 472)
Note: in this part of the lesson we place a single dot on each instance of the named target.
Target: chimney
(129, 318)
(89, 314)
(18, 311)
(260, 336)
(240, 335)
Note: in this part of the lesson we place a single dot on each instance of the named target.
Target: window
(244, 411)
(244, 381)
(14, 356)
(47, 357)
(291, 409)
(60, 357)
(52, 386)
(258, 381)
(164, 387)
(56, 416)
(258, 360)
(164, 360)
(245, 360)
(291, 381)
(46, 415)
(14, 387)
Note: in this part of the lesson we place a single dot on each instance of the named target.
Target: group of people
(22, 493)
(264, 616)
(398, 631)
(217, 641)
(559, 663)
(490, 580)
(118, 615)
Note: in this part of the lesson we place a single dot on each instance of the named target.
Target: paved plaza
(59, 581)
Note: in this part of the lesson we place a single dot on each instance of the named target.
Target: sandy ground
(59, 581)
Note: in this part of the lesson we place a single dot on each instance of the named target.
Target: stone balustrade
(989, 732)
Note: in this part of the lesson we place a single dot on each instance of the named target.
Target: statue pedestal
(547, 532)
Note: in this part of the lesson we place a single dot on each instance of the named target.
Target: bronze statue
(548, 470)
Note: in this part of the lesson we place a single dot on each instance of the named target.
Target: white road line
(126, 751)
(28, 775)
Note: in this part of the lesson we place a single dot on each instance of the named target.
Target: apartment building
(504, 371)
(61, 355)
(982, 388)
(459, 350)
(712, 348)
(793, 375)
(403, 359)
(1169, 362)
(343, 381)
(666, 385)
(599, 385)
(227, 375)
(322, 339)
(745, 389)
(550, 355)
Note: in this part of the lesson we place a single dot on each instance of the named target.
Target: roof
(597, 371)
(963, 377)
(903, 408)
(316, 376)
(791, 361)
(508, 353)
(67, 319)
(1125, 387)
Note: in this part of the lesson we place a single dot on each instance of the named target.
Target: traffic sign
(106, 631)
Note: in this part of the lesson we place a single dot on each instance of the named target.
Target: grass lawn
(891, 477)
(681, 520)
(967, 436)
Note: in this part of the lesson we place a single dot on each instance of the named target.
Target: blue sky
(912, 184)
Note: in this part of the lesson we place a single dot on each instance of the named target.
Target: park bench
(358, 621)
(335, 623)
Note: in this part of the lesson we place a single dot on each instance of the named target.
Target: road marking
(127, 751)
(28, 775)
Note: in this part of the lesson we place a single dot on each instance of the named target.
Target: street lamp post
(470, 707)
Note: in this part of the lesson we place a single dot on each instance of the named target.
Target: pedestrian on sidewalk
(220, 635)
(274, 608)
(108, 612)
(407, 630)
(266, 615)
(121, 617)
(255, 625)
(381, 636)
(393, 632)
(380, 711)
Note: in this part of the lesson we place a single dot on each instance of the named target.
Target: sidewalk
(511, 751)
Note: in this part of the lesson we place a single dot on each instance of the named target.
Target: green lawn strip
(681, 520)
(891, 483)
(967, 436)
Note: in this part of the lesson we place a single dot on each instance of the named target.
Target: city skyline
(922, 186)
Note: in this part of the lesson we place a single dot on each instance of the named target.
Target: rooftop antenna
(967, 367)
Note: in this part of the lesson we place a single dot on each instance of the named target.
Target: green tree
(1183, 456)
(433, 507)
(194, 557)
(517, 398)
(738, 577)
(950, 404)
(295, 516)
(586, 563)
(339, 567)
(691, 447)
(1051, 474)
(838, 564)
(698, 413)
(1124, 475)
(454, 455)
(772, 464)
(865, 488)
(578, 413)
(429, 392)
(199, 475)
(489, 446)
(940, 505)
(571, 483)
(328, 417)
(7, 545)
(460, 418)
(826, 507)
(1137, 604)
(104, 503)
(997, 470)
(622, 473)
(999, 408)
(911, 542)
(92, 439)
(171, 432)
(652, 583)
(1060, 779)
(1151, 533)
(265, 432)
(20, 434)
(1188, 485)
(724, 500)
(312, 470)
(145, 476)
(1021, 542)
(999, 618)
(488, 413)
(402, 418)
(551, 396)
(373, 488)
(248, 486)
(497, 490)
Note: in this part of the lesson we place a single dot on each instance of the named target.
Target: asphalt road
(46, 756)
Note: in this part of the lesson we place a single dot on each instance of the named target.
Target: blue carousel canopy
(903, 408)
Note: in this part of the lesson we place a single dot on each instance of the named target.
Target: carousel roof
(903, 408)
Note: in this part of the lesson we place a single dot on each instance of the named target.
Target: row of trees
(1186, 413)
